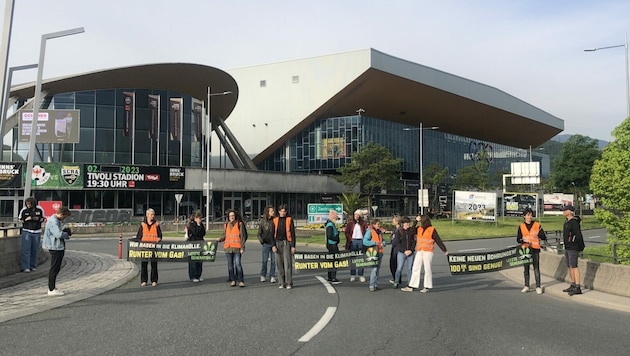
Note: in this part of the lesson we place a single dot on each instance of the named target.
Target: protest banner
(172, 251)
(466, 263)
(312, 261)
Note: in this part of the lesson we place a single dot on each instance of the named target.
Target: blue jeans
(401, 260)
(234, 262)
(266, 253)
(194, 269)
(30, 250)
(357, 245)
(374, 273)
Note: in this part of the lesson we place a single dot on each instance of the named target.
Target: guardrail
(614, 258)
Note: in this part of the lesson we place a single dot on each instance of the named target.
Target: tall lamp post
(625, 45)
(36, 102)
(420, 177)
(5, 102)
(208, 151)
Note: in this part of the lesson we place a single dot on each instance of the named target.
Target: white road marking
(321, 324)
(594, 237)
(328, 286)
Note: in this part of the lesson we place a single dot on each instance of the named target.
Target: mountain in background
(564, 138)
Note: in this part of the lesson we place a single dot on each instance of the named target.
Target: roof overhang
(191, 79)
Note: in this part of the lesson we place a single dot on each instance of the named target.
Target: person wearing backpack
(332, 242)
(374, 238)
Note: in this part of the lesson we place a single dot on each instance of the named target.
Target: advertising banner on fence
(554, 202)
(467, 263)
(11, 175)
(480, 206)
(312, 261)
(173, 251)
(515, 203)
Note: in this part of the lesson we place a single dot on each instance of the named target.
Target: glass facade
(327, 144)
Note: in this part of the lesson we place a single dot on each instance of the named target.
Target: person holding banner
(374, 238)
(355, 230)
(234, 237)
(426, 239)
(149, 232)
(195, 231)
(265, 237)
(406, 244)
(332, 242)
(529, 234)
(284, 246)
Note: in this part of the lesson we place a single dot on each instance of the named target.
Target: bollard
(120, 247)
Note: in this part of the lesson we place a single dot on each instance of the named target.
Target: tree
(609, 183)
(433, 176)
(351, 202)
(473, 177)
(572, 169)
(373, 169)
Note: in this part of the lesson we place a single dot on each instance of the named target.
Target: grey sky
(530, 49)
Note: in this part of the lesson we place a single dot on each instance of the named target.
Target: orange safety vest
(149, 233)
(232, 236)
(276, 220)
(424, 241)
(530, 237)
(377, 239)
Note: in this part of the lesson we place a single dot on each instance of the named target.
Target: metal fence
(613, 258)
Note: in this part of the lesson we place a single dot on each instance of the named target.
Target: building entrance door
(235, 203)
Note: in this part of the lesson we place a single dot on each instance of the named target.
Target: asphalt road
(472, 315)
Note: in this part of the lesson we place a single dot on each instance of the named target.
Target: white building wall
(263, 114)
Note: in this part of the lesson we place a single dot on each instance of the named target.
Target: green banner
(57, 176)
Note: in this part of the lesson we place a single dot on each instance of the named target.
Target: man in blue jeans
(265, 237)
(32, 217)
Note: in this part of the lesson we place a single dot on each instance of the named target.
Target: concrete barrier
(604, 277)
(10, 255)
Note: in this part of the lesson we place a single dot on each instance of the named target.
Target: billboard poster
(128, 113)
(479, 206)
(50, 206)
(11, 175)
(515, 203)
(197, 114)
(53, 126)
(101, 176)
(334, 147)
(57, 176)
(154, 108)
(553, 203)
(175, 119)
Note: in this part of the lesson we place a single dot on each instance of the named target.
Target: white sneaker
(407, 289)
(362, 279)
(273, 280)
(289, 286)
(424, 290)
(200, 279)
(352, 279)
(55, 292)
(538, 290)
(262, 278)
(27, 270)
(525, 290)
(195, 280)
(33, 269)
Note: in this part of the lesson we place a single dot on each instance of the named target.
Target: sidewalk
(554, 288)
(83, 275)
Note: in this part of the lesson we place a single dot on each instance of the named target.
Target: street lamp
(420, 178)
(625, 45)
(36, 102)
(208, 151)
(5, 101)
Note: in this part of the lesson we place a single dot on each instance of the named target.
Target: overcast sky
(531, 49)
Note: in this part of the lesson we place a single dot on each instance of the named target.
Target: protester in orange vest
(374, 238)
(284, 246)
(529, 235)
(150, 232)
(426, 238)
(234, 237)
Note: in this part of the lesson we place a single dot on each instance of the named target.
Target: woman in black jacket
(195, 231)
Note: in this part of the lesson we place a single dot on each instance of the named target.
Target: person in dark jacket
(393, 256)
(284, 246)
(529, 235)
(195, 231)
(32, 217)
(265, 237)
(332, 242)
(406, 244)
(355, 230)
(573, 244)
